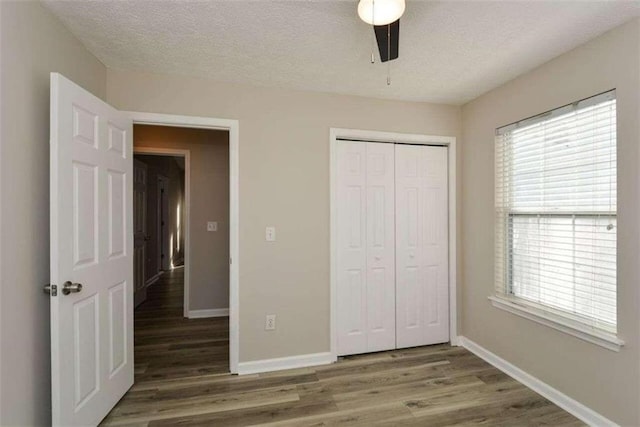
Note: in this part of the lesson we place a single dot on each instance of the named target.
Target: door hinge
(230, 261)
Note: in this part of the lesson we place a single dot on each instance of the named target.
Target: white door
(380, 239)
(164, 243)
(366, 303)
(91, 245)
(422, 278)
(140, 237)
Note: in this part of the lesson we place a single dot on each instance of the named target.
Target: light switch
(271, 234)
(212, 226)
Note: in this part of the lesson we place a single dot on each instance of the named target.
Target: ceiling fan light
(382, 11)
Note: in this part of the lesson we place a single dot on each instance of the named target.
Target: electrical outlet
(270, 322)
(212, 226)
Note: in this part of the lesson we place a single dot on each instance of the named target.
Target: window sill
(603, 339)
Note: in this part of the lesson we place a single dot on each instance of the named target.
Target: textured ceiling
(450, 51)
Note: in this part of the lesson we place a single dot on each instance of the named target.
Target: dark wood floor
(181, 380)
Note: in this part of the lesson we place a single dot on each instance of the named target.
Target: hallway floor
(181, 379)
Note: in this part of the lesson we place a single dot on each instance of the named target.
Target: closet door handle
(377, 258)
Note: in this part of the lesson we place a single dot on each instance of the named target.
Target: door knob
(377, 258)
(69, 287)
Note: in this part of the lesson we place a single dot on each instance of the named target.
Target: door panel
(422, 284)
(139, 230)
(91, 244)
(117, 186)
(352, 251)
(380, 254)
(164, 244)
(366, 263)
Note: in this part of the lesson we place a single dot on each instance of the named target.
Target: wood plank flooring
(182, 380)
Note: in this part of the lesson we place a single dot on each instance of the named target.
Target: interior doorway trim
(233, 127)
(186, 154)
(336, 134)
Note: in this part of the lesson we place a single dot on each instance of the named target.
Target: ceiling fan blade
(388, 37)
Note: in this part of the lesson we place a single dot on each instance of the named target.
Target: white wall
(284, 182)
(33, 43)
(606, 381)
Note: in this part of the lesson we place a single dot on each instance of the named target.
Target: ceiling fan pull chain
(389, 55)
(373, 46)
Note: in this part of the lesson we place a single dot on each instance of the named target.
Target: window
(556, 224)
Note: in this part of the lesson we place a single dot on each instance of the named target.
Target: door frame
(171, 152)
(391, 138)
(233, 127)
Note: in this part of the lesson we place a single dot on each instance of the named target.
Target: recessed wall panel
(412, 293)
(86, 349)
(412, 215)
(354, 212)
(354, 164)
(376, 165)
(117, 140)
(85, 214)
(376, 287)
(117, 328)
(356, 294)
(431, 295)
(379, 216)
(117, 214)
(85, 126)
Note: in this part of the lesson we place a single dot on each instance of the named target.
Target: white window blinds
(556, 212)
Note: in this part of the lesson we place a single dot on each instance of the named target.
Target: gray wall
(284, 182)
(209, 251)
(606, 381)
(32, 44)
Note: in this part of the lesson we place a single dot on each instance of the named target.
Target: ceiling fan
(384, 16)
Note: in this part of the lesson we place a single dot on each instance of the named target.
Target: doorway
(232, 129)
(188, 175)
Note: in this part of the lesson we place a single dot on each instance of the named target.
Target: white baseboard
(570, 405)
(214, 312)
(153, 279)
(282, 363)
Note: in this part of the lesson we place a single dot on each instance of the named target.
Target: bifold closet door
(366, 240)
(422, 270)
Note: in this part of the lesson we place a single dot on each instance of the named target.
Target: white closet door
(422, 281)
(352, 249)
(381, 310)
(366, 303)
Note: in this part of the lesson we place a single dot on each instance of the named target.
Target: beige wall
(33, 43)
(284, 182)
(606, 381)
(209, 251)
